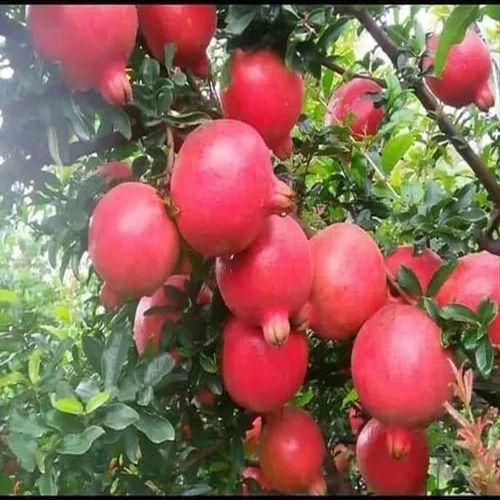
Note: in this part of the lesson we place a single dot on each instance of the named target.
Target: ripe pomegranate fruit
(115, 172)
(252, 437)
(475, 277)
(470, 57)
(352, 106)
(189, 27)
(205, 396)
(386, 475)
(264, 93)
(356, 420)
(133, 244)
(109, 298)
(224, 187)
(92, 43)
(270, 280)
(423, 265)
(399, 369)
(344, 294)
(291, 453)
(257, 376)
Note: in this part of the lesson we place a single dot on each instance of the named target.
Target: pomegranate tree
(349, 282)
(464, 79)
(353, 105)
(91, 42)
(399, 369)
(476, 277)
(133, 244)
(270, 280)
(257, 376)
(386, 475)
(189, 27)
(264, 93)
(224, 188)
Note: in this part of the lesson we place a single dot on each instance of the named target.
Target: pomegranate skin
(224, 188)
(252, 437)
(469, 57)
(423, 265)
(399, 369)
(352, 99)
(349, 282)
(270, 280)
(475, 277)
(264, 93)
(115, 172)
(257, 376)
(148, 327)
(92, 43)
(291, 453)
(386, 475)
(133, 244)
(189, 27)
(109, 298)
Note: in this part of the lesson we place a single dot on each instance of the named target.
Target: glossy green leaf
(119, 416)
(78, 444)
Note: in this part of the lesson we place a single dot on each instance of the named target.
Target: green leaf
(350, 397)
(407, 279)
(53, 142)
(24, 449)
(158, 368)
(484, 356)
(492, 11)
(67, 405)
(179, 78)
(78, 444)
(487, 311)
(394, 150)
(97, 401)
(156, 429)
(93, 348)
(239, 17)
(8, 297)
(303, 397)
(454, 30)
(119, 416)
(12, 379)
(430, 307)
(34, 366)
(208, 364)
(439, 277)
(169, 53)
(150, 71)
(114, 357)
(145, 396)
(47, 484)
(27, 425)
(458, 312)
(86, 389)
(131, 445)
(121, 122)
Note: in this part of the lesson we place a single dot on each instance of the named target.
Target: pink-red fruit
(399, 369)
(386, 475)
(224, 187)
(264, 93)
(115, 172)
(476, 277)
(109, 298)
(257, 376)
(270, 280)
(91, 42)
(349, 281)
(189, 27)
(251, 439)
(133, 244)
(464, 79)
(353, 106)
(291, 453)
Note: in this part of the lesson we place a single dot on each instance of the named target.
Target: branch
(429, 102)
(327, 63)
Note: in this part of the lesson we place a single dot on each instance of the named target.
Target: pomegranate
(187, 433)
(356, 420)
(399, 369)
(252, 437)
(342, 456)
(352, 106)
(205, 396)
(224, 187)
(92, 43)
(257, 376)
(386, 475)
(148, 327)
(291, 453)
(189, 27)
(133, 244)
(109, 298)
(270, 280)
(423, 265)
(464, 79)
(264, 93)
(349, 283)
(115, 172)
(475, 277)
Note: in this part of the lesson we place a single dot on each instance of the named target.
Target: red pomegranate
(423, 265)
(399, 369)
(264, 93)
(133, 244)
(92, 43)
(349, 283)
(352, 106)
(475, 277)
(386, 475)
(464, 79)
(291, 453)
(115, 172)
(356, 420)
(257, 376)
(224, 187)
(251, 439)
(189, 27)
(270, 280)
(109, 298)
(205, 396)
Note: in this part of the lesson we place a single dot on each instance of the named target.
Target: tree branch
(327, 63)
